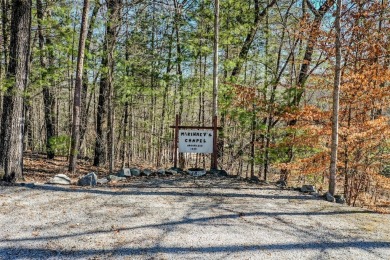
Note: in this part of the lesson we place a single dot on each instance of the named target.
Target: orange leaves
(375, 130)
(244, 96)
(309, 114)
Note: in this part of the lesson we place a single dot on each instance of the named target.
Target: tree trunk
(304, 70)
(336, 97)
(5, 26)
(308, 56)
(11, 139)
(251, 36)
(214, 163)
(84, 90)
(124, 143)
(48, 98)
(165, 96)
(178, 19)
(179, 54)
(113, 8)
(77, 91)
(5, 31)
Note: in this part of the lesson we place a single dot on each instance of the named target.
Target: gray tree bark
(103, 126)
(11, 138)
(48, 97)
(84, 90)
(77, 91)
(336, 97)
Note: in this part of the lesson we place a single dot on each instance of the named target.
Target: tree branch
(251, 36)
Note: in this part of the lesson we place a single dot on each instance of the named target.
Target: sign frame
(214, 128)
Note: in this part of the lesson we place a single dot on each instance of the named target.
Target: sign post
(176, 139)
(214, 165)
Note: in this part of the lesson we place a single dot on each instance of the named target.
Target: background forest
(149, 60)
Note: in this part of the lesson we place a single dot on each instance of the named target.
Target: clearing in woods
(180, 217)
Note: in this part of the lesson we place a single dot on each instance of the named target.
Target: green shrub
(60, 144)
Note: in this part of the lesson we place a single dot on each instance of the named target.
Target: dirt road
(183, 218)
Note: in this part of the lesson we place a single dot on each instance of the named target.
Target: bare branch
(312, 8)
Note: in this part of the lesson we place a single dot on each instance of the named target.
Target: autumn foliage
(364, 105)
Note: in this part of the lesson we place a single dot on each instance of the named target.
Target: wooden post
(176, 140)
(214, 165)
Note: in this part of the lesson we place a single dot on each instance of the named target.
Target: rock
(281, 183)
(329, 197)
(2, 173)
(170, 172)
(196, 172)
(88, 180)
(135, 172)
(223, 173)
(61, 179)
(315, 194)
(308, 188)
(147, 172)
(176, 169)
(340, 199)
(125, 172)
(213, 171)
(102, 181)
(161, 172)
(116, 178)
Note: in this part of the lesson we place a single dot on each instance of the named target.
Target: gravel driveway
(182, 218)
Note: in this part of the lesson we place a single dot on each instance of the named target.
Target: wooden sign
(196, 141)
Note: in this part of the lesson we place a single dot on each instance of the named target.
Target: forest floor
(180, 217)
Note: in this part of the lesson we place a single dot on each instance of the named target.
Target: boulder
(281, 183)
(213, 171)
(161, 172)
(308, 188)
(88, 180)
(170, 172)
(196, 172)
(135, 172)
(340, 199)
(102, 181)
(115, 178)
(147, 172)
(176, 169)
(329, 197)
(125, 172)
(223, 173)
(60, 179)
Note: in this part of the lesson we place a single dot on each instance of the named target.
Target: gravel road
(182, 218)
